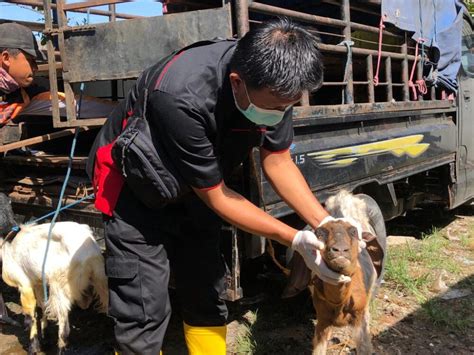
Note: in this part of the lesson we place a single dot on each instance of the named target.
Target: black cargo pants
(140, 246)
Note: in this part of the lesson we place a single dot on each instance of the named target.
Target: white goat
(73, 265)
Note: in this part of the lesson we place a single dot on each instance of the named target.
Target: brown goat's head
(341, 242)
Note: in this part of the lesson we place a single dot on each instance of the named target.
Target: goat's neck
(335, 295)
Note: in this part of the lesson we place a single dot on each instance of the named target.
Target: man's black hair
(280, 55)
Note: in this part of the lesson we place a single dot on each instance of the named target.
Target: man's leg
(200, 279)
(138, 272)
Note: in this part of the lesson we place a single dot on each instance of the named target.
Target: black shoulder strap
(147, 79)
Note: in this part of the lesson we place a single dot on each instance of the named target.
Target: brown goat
(344, 304)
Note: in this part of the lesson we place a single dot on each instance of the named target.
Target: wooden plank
(39, 139)
(43, 160)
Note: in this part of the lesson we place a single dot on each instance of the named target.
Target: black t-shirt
(194, 118)
(16, 96)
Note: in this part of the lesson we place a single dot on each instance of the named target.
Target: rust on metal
(318, 20)
(364, 108)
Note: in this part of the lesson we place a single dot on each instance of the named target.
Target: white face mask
(259, 115)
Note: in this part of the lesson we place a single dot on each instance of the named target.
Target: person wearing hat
(18, 54)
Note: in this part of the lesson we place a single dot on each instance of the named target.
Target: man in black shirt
(210, 105)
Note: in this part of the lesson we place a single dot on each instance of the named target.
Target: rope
(72, 204)
(61, 195)
(349, 45)
(379, 54)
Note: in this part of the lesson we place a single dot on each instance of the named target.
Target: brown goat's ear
(322, 234)
(353, 232)
(367, 237)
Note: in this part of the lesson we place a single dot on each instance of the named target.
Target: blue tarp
(439, 23)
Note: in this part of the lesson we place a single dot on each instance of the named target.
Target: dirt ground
(263, 323)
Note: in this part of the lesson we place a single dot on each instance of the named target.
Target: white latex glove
(306, 243)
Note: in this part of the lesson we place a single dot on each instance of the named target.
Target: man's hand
(306, 243)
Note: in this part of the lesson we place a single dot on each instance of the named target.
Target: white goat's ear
(322, 234)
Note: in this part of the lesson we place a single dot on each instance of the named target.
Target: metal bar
(91, 3)
(419, 76)
(406, 89)
(39, 3)
(45, 67)
(108, 13)
(112, 17)
(113, 83)
(370, 78)
(53, 79)
(362, 51)
(34, 26)
(39, 139)
(334, 83)
(305, 98)
(68, 91)
(86, 122)
(320, 20)
(301, 113)
(234, 290)
(354, 7)
(388, 78)
(346, 17)
(242, 17)
(433, 93)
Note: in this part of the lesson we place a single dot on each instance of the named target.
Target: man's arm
(240, 212)
(243, 214)
(290, 184)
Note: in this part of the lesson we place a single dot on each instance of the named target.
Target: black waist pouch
(145, 166)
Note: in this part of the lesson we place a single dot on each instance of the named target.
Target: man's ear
(235, 79)
(5, 58)
(322, 234)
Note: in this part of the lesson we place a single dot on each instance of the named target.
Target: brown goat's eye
(322, 233)
(353, 232)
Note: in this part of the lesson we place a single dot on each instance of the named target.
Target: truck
(382, 123)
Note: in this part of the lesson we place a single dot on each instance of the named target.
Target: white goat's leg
(322, 334)
(28, 304)
(59, 305)
(362, 335)
(38, 290)
(100, 283)
(63, 334)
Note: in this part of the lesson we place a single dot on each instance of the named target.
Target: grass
(458, 317)
(245, 342)
(412, 269)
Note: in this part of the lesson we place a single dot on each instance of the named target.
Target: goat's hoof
(34, 347)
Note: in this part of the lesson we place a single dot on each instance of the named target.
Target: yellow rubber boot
(205, 340)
